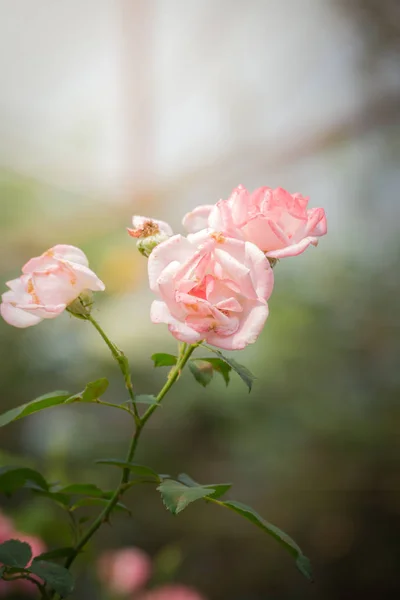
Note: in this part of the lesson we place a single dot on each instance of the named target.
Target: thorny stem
(27, 577)
(121, 359)
(184, 355)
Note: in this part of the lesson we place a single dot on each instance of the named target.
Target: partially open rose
(212, 288)
(276, 221)
(49, 283)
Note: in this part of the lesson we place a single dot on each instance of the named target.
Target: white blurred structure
(103, 94)
(178, 101)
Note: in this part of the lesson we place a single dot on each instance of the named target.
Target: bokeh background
(115, 107)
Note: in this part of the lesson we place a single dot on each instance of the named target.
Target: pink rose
(49, 283)
(172, 592)
(124, 571)
(212, 288)
(276, 221)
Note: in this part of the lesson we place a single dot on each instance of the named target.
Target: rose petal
(17, 317)
(159, 313)
(53, 255)
(251, 324)
(197, 219)
(177, 248)
(293, 250)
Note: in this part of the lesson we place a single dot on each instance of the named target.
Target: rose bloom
(124, 571)
(212, 288)
(172, 592)
(49, 283)
(276, 221)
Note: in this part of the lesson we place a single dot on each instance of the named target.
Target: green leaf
(218, 489)
(177, 496)
(302, 562)
(145, 399)
(164, 360)
(203, 373)
(61, 499)
(36, 405)
(14, 553)
(218, 365)
(2, 569)
(139, 470)
(56, 576)
(82, 489)
(92, 391)
(13, 478)
(245, 375)
(58, 553)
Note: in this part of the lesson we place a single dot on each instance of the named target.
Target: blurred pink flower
(124, 571)
(37, 545)
(275, 220)
(49, 283)
(172, 592)
(6, 528)
(212, 288)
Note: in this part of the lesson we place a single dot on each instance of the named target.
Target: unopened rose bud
(147, 245)
(149, 233)
(81, 306)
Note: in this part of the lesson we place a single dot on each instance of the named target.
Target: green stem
(121, 359)
(27, 577)
(173, 375)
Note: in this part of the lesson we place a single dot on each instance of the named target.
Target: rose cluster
(213, 285)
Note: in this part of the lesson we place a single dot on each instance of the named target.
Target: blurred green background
(124, 108)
